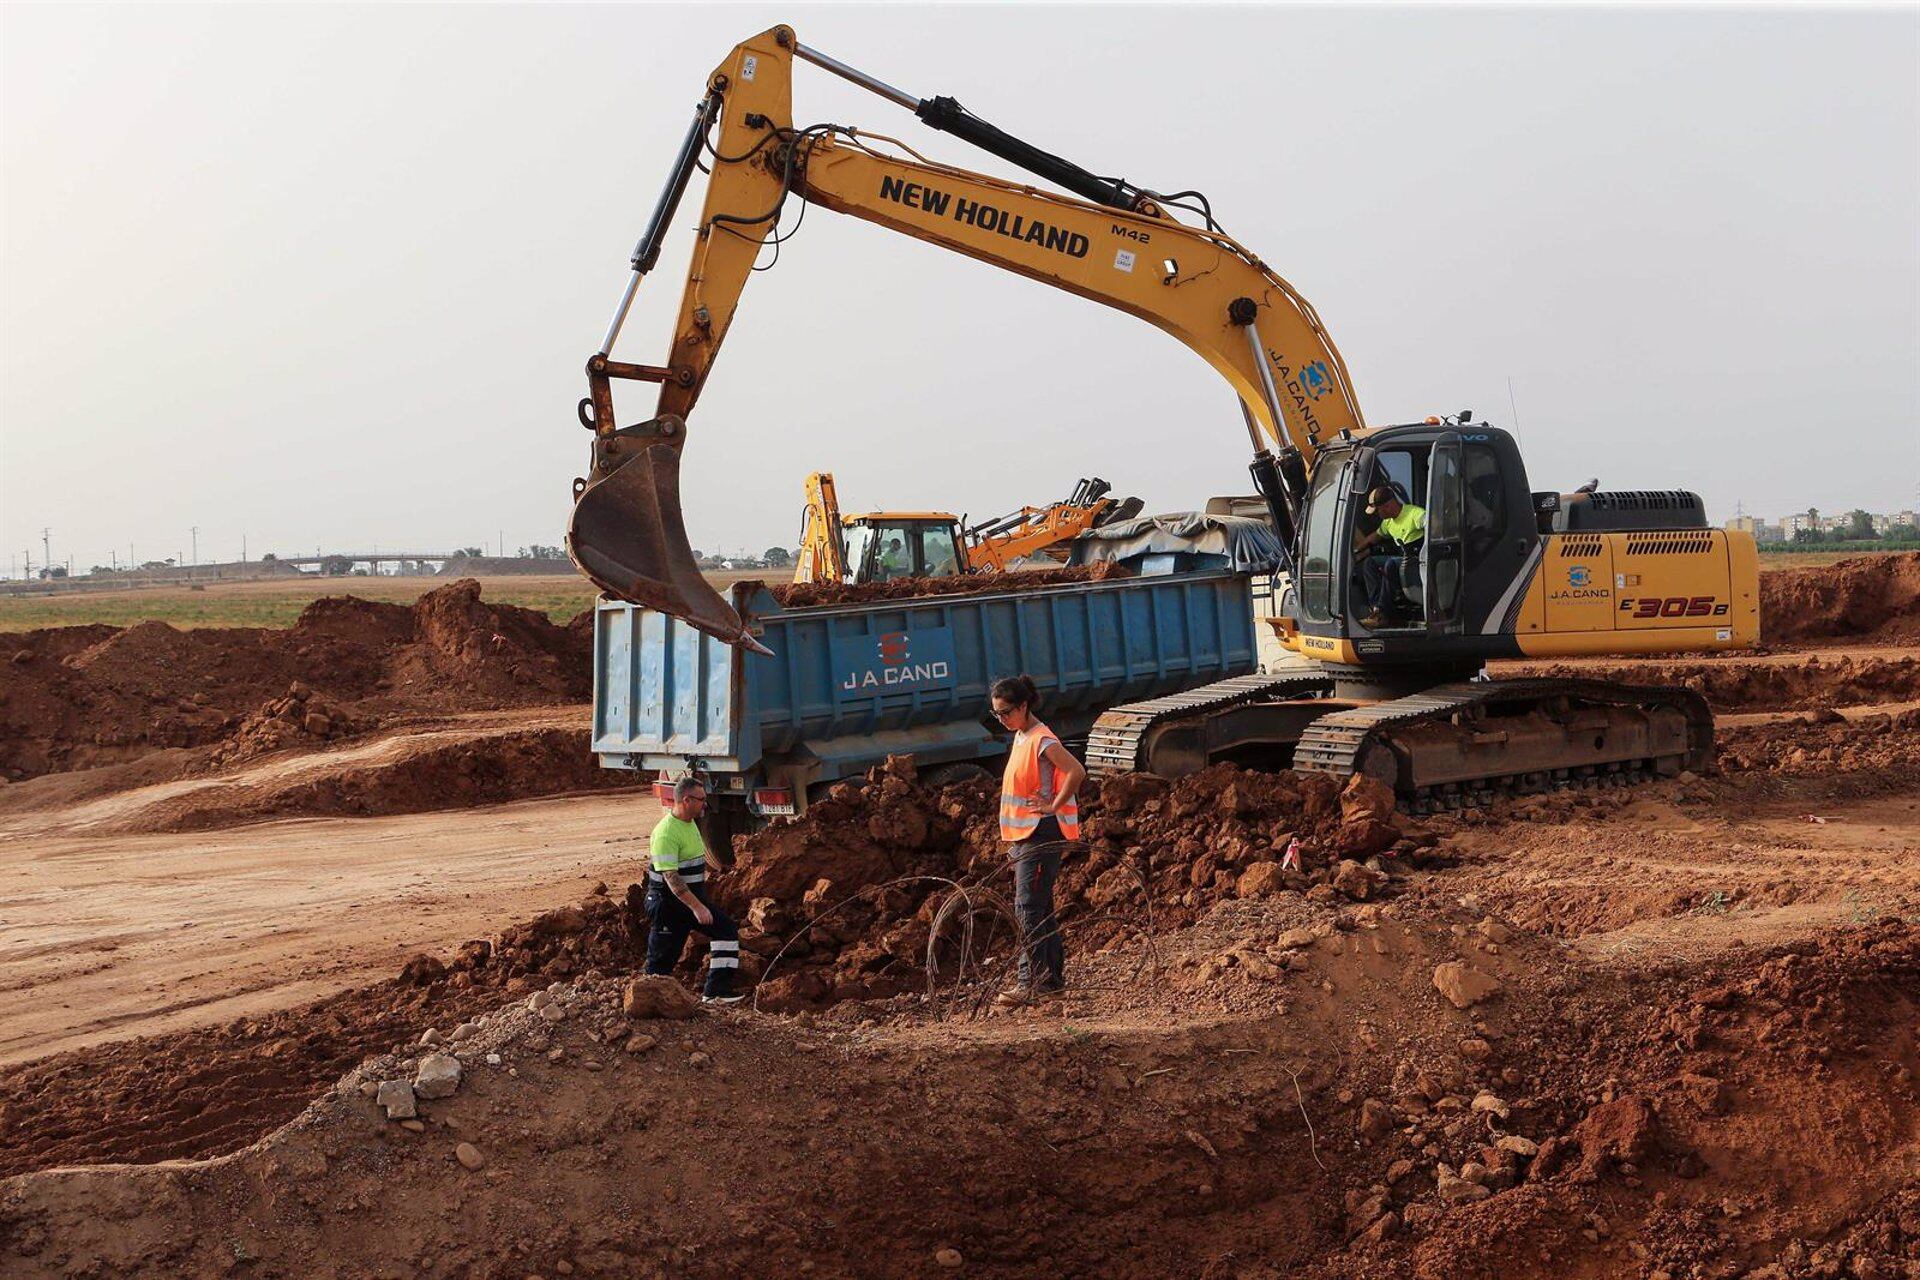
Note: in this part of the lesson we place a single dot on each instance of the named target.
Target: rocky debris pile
(808, 595)
(1227, 832)
(1873, 597)
(1823, 742)
(77, 697)
(298, 719)
(598, 934)
(846, 897)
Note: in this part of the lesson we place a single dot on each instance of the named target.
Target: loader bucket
(629, 538)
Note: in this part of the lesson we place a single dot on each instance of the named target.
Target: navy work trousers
(1036, 864)
(672, 922)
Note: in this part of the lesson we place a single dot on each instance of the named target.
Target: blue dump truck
(848, 685)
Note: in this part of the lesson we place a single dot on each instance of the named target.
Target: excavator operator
(1392, 573)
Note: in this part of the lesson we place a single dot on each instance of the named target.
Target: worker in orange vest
(1038, 815)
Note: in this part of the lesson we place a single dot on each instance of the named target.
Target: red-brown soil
(807, 595)
(1801, 682)
(1687, 1046)
(1865, 598)
(78, 697)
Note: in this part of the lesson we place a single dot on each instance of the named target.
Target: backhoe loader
(1498, 570)
(875, 546)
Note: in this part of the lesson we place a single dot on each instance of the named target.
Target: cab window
(1319, 542)
(937, 551)
(894, 555)
(1486, 513)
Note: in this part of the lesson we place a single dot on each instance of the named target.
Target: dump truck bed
(849, 684)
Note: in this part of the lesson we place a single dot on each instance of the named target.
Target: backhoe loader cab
(885, 545)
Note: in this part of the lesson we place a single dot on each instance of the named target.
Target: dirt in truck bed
(808, 595)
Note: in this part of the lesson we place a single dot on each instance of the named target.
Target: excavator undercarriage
(1445, 747)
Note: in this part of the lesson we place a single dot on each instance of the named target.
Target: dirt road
(109, 936)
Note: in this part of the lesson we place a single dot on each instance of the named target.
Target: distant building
(1885, 524)
(1794, 524)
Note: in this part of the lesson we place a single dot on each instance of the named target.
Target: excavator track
(1458, 745)
(1113, 745)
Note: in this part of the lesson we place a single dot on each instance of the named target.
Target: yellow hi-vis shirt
(676, 846)
(1408, 527)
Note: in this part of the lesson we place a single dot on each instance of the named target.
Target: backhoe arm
(1126, 251)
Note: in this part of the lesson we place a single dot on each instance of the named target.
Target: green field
(277, 603)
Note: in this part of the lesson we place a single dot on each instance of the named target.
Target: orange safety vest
(1028, 786)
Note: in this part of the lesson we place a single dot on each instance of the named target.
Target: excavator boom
(1113, 243)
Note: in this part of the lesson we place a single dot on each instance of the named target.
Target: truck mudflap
(1457, 745)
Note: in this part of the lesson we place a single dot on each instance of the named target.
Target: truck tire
(945, 775)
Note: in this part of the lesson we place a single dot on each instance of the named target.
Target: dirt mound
(846, 897)
(1752, 1114)
(1861, 598)
(205, 1092)
(456, 773)
(494, 654)
(807, 595)
(1824, 742)
(1733, 684)
(296, 720)
(79, 697)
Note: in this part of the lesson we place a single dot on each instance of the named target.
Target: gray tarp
(1244, 544)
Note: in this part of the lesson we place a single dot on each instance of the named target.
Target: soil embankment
(1399, 1053)
(1863, 598)
(80, 697)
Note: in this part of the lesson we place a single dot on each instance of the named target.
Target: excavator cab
(1432, 592)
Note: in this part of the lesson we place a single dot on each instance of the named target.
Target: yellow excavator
(1416, 551)
(876, 546)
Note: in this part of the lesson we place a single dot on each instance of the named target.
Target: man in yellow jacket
(1402, 530)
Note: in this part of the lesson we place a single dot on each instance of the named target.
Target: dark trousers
(1036, 864)
(1385, 577)
(672, 922)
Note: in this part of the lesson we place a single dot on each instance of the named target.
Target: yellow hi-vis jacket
(1027, 788)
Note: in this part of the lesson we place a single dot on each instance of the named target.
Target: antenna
(1514, 406)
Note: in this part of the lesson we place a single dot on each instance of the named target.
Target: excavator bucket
(628, 535)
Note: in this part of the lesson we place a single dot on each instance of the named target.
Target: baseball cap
(1380, 497)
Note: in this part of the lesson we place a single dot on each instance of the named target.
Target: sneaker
(1013, 998)
(1374, 621)
(721, 999)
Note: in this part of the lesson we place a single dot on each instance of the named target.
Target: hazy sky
(327, 275)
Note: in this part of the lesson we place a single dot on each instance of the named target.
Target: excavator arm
(823, 556)
(1112, 243)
